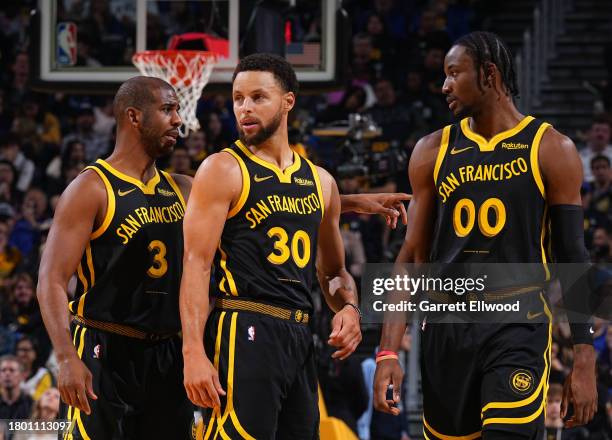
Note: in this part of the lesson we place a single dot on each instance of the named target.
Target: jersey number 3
(281, 252)
(160, 264)
(463, 228)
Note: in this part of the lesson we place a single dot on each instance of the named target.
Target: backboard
(87, 45)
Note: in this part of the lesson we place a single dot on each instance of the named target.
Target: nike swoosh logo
(531, 316)
(261, 179)
(125, 193)
(461, 150)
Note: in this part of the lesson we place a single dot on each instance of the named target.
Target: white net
(188, 71)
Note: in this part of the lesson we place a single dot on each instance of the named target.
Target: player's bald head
(138, 92)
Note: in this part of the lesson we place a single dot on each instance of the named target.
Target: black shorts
(139, 385)
(486, 377)
(267, 368)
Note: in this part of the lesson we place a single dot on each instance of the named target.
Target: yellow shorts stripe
(472, 436)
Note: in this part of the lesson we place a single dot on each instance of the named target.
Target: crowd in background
(395, 77)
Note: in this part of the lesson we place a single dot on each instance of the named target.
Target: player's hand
(388, 372)
(389, 205)
(580, 388)
(74, 381)
(346, 332)
(201, 381)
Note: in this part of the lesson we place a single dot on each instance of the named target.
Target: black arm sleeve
(568, 247)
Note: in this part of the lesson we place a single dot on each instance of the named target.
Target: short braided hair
(486, 47)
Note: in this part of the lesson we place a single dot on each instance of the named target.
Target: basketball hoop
(187, 70)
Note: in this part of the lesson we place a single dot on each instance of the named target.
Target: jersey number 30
(280, 244)
(463, 228)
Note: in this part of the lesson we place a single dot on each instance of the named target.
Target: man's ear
(133, 116)
(289, 101)
(489, 74)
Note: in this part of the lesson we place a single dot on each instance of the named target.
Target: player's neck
(275, 150)
(495, 118)
(132, 161)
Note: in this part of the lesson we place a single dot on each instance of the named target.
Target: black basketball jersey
(268, 246)
(131, 269)
(491, 205)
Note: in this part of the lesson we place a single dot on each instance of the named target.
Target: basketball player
(118, 225)
(274, 217)
(490, 380)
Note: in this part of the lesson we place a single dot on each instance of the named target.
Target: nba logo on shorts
(251, 331)
(96, 354)
(66, 43)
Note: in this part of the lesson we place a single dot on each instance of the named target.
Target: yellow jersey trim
(284, 176)
(544, 227)
(541, 390)
(175, 187)
(92, 279)
(485, 145)
(317, 179)
(451, 437)
(228, 274)
(533, 156)
(441, 151)
(246, 184)
(110, 204)
(147, 188)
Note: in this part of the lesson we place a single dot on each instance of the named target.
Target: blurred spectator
(104, 120)
(433, 65)
(96, 144)
(428, 35)
(197, 147)
(353, 101)
(8, 177)
(601, 249)
(10, 257)
(597, 197)
(19, 84)
(34, 213)
(394, 118)
(14, 403)
(10, 150)
(598, 143)
(384, 47)
(73, 153)
(36, 127)
(180, 162)
(37, 378)
(554, 422)
(428, 110)
(390, 11)
(46, 409)
(363, 66)
(218, 137)
(27, 317)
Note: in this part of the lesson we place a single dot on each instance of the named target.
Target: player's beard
(264, 133)
(153, 140)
